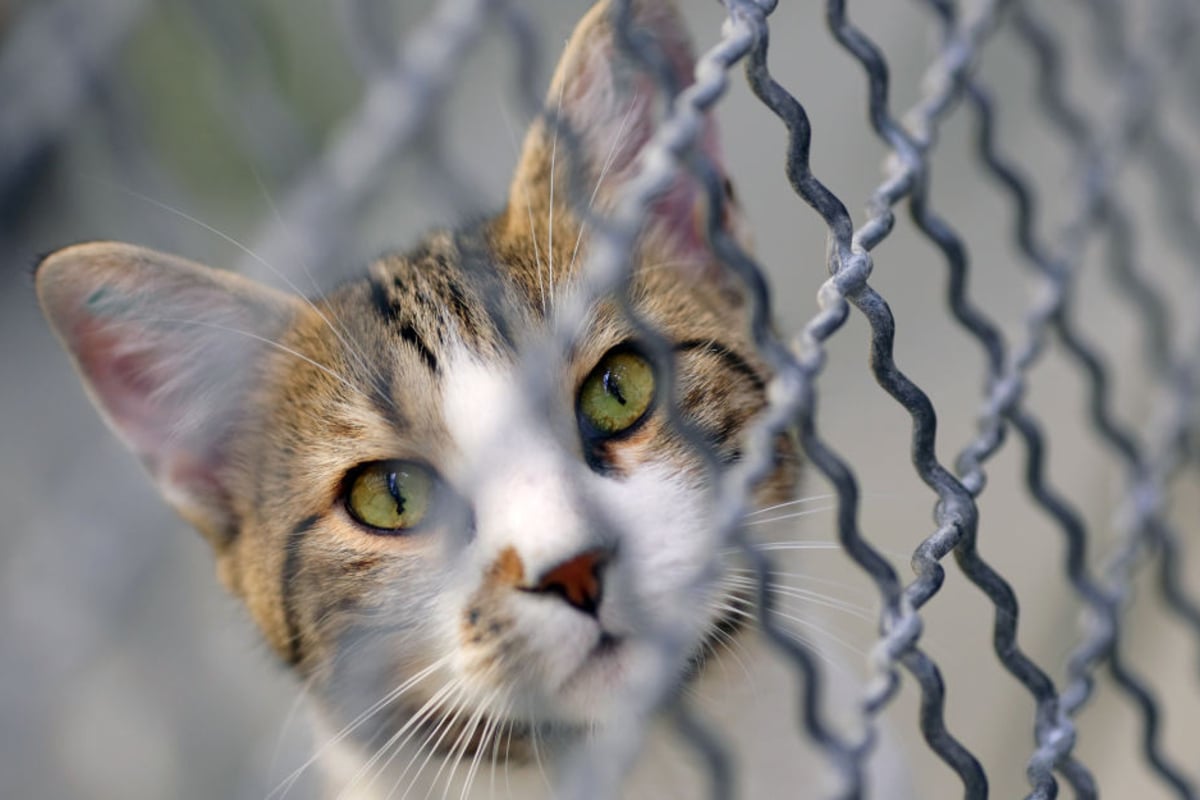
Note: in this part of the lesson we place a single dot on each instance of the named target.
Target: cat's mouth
(605, 659)
(606, 645)
(604, 667)
(607, 665)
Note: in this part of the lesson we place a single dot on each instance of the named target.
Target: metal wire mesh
(1102, 146)
(1141, 63)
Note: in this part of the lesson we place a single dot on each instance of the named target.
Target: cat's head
(406, 515)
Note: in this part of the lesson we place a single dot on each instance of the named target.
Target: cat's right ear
(165, 348)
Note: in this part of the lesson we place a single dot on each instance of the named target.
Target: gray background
(124, 670)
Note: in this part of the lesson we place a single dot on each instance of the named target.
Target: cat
(413, 528)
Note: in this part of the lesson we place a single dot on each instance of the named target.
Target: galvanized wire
(850, 266)
(1101, 151)
(1144, 74)
(955, 510)
(1053, 729)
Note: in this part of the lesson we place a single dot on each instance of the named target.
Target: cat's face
(414, 512)
(547, 541)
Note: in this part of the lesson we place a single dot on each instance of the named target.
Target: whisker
(783, 517)
(537, 757)
(265, 193)
(340, 330)
(354, 724)
(282, 348)
(501, 721)
(818, 629)
(810, 644)
(401, 737)
(813, 544)
(814, 598)
(800, 501)
(808, 544)
(489, 729)
(808, 577)
(731, 643)
(507, 756)
(459, 748)
(452, 699)
(445, 725)
(448, 721)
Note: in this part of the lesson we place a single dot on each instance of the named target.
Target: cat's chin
(618, 666)
(608, 669)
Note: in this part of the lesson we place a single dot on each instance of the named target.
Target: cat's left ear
(167, 351)
(612, 105)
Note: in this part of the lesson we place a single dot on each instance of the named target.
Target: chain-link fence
(1061, 269)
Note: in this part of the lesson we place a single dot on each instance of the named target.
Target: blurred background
(211, 128)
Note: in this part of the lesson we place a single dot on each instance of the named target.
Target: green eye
(390, 495)
(618, 392)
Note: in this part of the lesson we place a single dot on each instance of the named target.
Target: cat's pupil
(397, 495)
(612, 385)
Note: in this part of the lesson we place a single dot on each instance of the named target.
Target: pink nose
(578, 580)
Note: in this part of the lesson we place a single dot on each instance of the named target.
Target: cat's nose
(579, 580)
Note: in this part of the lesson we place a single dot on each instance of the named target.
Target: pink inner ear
(594, 104)
(127, 382)
(681, 208)
(129, 375)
